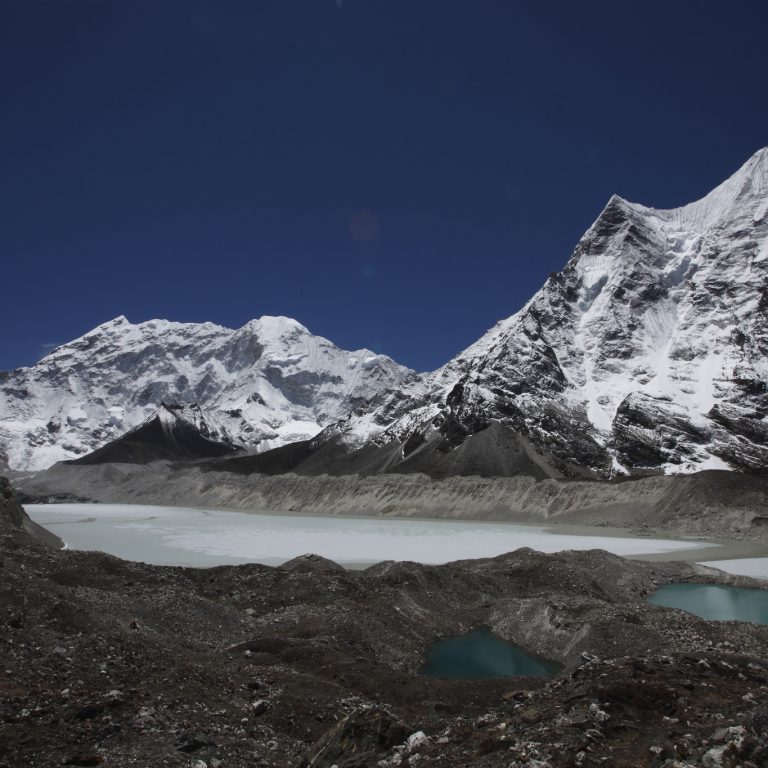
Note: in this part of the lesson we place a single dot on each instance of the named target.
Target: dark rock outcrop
(13, 517)
(360, 740)
(166, 436)
(454, 450)
(11, 512)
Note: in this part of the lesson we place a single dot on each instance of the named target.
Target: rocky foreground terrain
(106, 662)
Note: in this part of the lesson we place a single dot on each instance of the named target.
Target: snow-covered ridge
(262, 385)
(746, 188)
(647, 352)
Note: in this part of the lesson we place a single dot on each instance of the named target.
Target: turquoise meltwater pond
(715, 602)
(481, 654)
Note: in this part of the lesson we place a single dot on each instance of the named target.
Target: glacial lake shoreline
(199, 537)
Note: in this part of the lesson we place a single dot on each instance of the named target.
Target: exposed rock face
(363, 737)
(494, 451)
(11, 512)
(268, 383)
(174, 433)
(13, 517)
(647, 353)
(124, 664)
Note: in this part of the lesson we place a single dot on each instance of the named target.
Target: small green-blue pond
(481, 654)
(714, 602)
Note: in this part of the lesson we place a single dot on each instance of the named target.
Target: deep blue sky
(203, 160)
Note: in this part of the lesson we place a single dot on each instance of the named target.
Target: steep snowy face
(647, 352)
(263, 385)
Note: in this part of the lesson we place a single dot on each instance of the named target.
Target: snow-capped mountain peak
(648, 352)
(267, 383)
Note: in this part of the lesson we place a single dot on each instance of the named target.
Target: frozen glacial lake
(199, 537)
(754, 567)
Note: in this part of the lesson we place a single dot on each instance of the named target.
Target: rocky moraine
(112, 663)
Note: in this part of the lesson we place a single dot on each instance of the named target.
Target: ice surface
(184, 536)
(756, 567)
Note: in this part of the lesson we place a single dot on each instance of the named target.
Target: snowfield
(268, 383)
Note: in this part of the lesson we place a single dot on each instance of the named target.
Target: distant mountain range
(647, 353)
(268, 383)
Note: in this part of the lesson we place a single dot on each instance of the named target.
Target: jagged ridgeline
(268, 383)
(647, 353)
